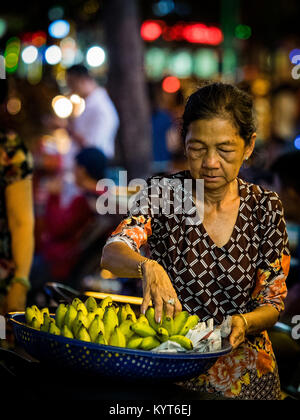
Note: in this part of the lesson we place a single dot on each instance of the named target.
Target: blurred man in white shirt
(97, 126)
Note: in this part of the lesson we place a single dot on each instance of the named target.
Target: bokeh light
(56, 12)
(95, 56)
(11, 54)
(13, 106)
(29, 54)
(59, 28)
(171, 84)
(62, 106)
(53, 54)
(150, 30)
(297, 142)
(3, 27)
(243, 31)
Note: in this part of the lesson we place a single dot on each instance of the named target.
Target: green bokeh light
(243, 32)
(205, 63)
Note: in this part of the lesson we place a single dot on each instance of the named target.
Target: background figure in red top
(66, 227)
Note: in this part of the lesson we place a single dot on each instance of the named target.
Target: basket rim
(13, 317)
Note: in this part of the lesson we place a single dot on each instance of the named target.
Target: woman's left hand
(238, 332)
(15, 300)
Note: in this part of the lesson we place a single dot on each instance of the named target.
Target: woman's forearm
(262, 318)
(121, 260)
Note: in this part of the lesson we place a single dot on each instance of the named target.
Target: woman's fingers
(146, 297)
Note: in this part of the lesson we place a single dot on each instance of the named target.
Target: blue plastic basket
(109, 360)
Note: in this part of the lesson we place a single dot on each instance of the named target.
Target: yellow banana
(91, 304)
(129, 310)
(162, 334)
(168, 324)
(66, 332)
(96, 326)
(90, 318)
(117, 338)
(134, 342)
(142, 329)
(191, 322)
(45, 311)
(149, 343)
(106, 302)
(179, 321)
(60, 315)
(70, 316)
(83, 334)
(110, 321)
(29, 315)
(150, 315)
(183, 341)
(53, 329)
(100, 339)
(77, 324)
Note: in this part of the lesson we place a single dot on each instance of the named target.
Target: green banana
(99, 311)
(129, 310)
(149, 343)
(106, 302)
(46, 323)
(117, 338)
(66, 332)
(162, 334)
(110, 321)
(142, 318)
(122, 314)
(150, 315)
(75, 302)
(168, 324)
(38, 314)
(90, 304)
(125, 327)
(70, 316)
(183, 341)
(90, 318)
(142, 329)
(53, 329)
(77, 324)
(96, 326)
(82, 317)
(179, 321)
(60, 314)
(191, 322)
(134, 342)
(83, 334)
(45, 311)
(35, 323)
(29, 315)
(81, 307)
(100, 339)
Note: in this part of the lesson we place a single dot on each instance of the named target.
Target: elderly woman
(234, 261)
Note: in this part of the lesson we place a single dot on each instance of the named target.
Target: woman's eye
(226, 151)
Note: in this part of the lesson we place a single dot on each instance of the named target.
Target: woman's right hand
(157, 287)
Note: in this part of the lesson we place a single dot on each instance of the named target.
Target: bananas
(106, 323)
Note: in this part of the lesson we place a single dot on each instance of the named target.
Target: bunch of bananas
(109, 324)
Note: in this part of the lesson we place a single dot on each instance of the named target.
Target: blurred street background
(140, 60)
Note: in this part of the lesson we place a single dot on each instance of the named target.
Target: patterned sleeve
(16, 161)
(274, 262)
(135, 229)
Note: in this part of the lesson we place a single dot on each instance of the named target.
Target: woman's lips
(210, 178)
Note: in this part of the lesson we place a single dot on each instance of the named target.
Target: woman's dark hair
(221, 100)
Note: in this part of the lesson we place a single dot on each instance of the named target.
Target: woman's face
(215, 151)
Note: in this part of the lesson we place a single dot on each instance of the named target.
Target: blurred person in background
(65, 225)
(97, 126)
(16, 215)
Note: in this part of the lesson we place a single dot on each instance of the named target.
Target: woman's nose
(211, 160)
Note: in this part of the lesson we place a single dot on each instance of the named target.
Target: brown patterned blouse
(212, 282)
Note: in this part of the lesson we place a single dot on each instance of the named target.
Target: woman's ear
(250, 147)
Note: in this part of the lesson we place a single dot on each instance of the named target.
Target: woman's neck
(217, 197)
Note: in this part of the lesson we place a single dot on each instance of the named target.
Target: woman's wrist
(245, 322)
(142, 264)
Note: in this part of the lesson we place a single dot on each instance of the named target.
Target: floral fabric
(15, 164)
(212, 282)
